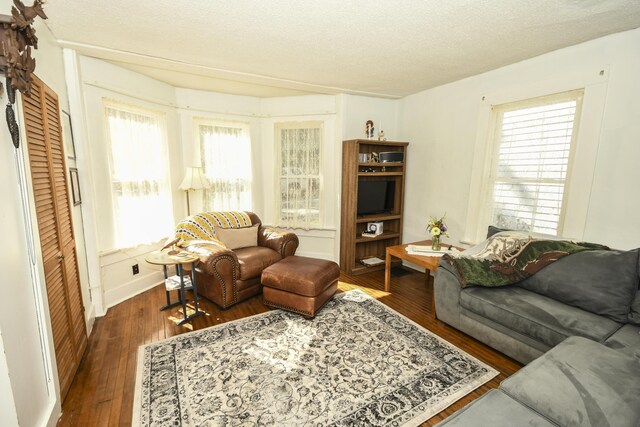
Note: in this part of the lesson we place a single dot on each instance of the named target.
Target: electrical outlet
(135, 269)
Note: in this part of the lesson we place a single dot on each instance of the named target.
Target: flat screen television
(375, 196)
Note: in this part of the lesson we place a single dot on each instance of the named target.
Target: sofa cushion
(580, 383)
(602, 282)
(626, 340)
(236, 238)
(255, 259)
(495, 409)
(634, 314)
(535, 316)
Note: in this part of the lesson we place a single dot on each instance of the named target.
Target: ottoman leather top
(301, 275)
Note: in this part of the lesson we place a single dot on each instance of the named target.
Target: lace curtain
(226, 158)
(299, 181)
(143, 210)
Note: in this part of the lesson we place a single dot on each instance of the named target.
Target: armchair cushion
(235, 238)
(255, 259)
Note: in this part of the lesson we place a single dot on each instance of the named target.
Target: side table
(430, 263)
(179, 259)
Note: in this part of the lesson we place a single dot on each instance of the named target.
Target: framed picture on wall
(67, 135)
(75, 186)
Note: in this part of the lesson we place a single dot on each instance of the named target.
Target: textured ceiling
(289, 47)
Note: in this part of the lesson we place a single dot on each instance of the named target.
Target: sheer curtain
(299, 180)
(226, 158)
(143, 210)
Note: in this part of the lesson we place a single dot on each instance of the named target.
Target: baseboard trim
(55, 412)
(130, 289)
(90, 318)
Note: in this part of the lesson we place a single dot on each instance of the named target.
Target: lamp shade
(194, 179)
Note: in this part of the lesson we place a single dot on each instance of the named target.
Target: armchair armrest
(284, 242)
(215, 260)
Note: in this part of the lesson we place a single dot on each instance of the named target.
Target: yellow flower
(435, 231)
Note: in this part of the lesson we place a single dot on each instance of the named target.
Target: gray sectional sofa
(585, 308)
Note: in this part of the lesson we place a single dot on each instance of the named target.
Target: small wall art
(75, 186)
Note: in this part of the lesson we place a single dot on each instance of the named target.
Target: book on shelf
(173, 283)
(367, 234)
(371, 261)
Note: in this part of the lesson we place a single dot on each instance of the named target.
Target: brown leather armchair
(227, 276)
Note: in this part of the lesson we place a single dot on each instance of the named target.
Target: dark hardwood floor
(102, 391)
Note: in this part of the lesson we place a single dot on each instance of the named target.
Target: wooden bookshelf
(353, 246)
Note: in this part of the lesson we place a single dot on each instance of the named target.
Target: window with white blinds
(534, 140)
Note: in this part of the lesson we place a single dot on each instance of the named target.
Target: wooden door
(53, 211)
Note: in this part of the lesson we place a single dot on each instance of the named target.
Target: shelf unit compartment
(376, 217)
(353, 246)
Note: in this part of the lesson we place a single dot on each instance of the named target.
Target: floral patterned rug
(357, 363)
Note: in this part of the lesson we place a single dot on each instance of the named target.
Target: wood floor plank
(103, 389)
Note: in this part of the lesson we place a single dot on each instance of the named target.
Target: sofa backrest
(202, 226)
(602, 282)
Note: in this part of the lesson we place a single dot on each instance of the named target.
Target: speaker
(392, 156)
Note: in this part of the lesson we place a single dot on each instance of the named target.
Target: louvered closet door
(48, 173)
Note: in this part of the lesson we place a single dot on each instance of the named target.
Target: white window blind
(535, 139)
(299, 150)
(143, 210)
(225, 150)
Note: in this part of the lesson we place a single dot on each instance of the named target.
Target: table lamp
(194, 179)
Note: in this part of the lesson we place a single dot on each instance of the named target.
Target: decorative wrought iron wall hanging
(17, 35)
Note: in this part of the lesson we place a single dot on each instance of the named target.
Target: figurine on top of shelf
(381, 136)
(369, 130)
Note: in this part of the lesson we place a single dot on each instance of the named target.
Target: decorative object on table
(278, 368)
(194, 179)
(381, 136)
(75, 186)
(363, 157)
(373, 229)
(369, 130)
(437, 228)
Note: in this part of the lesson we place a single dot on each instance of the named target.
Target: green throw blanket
(509, 257)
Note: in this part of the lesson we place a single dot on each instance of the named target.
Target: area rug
(357, 363)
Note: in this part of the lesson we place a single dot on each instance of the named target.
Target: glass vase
(435, 243)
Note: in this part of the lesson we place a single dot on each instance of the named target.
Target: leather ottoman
(300, 284)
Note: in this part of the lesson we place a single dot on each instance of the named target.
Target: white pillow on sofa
(236, 238)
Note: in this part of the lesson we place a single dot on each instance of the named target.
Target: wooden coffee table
(430, 263)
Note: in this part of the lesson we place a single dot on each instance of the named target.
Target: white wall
(357, 110)
(446, 124)
(317, 243)
(195, 104)
(29, 374)
(91, 80)
(95, 81)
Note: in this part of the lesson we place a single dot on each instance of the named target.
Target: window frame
(198, 122)
(306, 124)
(164, 186)
(494, 144)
